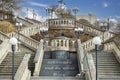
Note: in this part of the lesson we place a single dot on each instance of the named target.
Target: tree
(8, 7)
(6, 26)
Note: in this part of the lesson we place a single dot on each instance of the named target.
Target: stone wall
(4, 48)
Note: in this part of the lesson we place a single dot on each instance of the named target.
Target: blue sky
(101, 8)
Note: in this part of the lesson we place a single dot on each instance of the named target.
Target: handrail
(22, 72)
(4, 49)
(32, 45)
(116, 50)
(38, 51)
(80, 54)
(117, 44)
(4, 35)
(88, 68)
(24, 20)
(38, 59)
(91, 67)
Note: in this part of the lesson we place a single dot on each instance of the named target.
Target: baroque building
(60, 48)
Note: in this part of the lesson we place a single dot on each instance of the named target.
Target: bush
(6, 27)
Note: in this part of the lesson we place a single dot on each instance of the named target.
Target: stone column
(55, 42)
(67, 43)
(52, 43)
(59, 43)
(73, 43)
(64, 43)
(46, 43)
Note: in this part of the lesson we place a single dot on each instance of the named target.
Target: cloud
(114, 20)
(29, 14)
(111, 20)
(37, 16)
(105, 4)
(118, 17)
(38, 4)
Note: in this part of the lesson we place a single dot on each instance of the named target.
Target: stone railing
(80, 55)
(112, 46)
(27, 41)
(70, 23)
(116, 51)
(33, 29)
(61, 44)
(88, 45)
(23, 72)
(90, 73)
(4, 49)
(3, 36)
(58, 23)
(61, 22)
(38, 58)
(24, 21)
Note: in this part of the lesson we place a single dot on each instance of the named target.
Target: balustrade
(61, 22)
(23, 72)
(4, 49)
(39, 58)
(27, 41)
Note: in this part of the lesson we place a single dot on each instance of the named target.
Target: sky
(101, 8)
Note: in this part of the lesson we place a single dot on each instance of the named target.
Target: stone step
(6, 65)
(109, 77)
(107, 66)
(58, 73)
(109, 74)
(6, 74)
(108, 71)
(57, 78)
(104, 58)
(5, 77)
(10, 62)
(58, 61)
(70, 67)
(100, 62)
(5, 70)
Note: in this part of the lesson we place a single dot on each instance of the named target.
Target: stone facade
(91, 18)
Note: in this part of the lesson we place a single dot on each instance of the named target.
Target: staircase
(56, 78)
(57, 63)
(31, 65)
(6, 65)
(108, 66)
(57, 66)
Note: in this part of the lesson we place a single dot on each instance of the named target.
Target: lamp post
(43, 30)
(18, 25)
(13, 42)
(49, 10)
(75, 11)
(96, 41)
(78, 30)
(104, 27)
